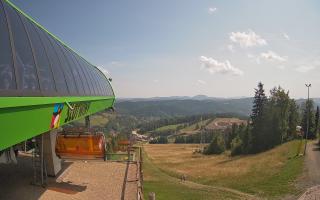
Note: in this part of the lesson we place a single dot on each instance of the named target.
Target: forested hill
(183, 107)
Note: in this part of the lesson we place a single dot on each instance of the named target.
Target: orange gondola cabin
(81, 143)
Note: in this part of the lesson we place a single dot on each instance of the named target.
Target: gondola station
(44, 84)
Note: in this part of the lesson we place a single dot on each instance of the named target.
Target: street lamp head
(308, 85)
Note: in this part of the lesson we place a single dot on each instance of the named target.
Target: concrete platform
(77, 180)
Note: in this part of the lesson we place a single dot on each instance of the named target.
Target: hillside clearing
(168, 127)
(168, 187)
(270, 174)
(224, 123)
(193, 127)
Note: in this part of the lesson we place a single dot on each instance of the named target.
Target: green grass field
(192, 127)
(270, 174)
(169, 127)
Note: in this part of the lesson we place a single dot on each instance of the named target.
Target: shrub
(216, 146)
(236, 146)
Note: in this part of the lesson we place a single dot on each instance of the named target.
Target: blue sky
(190, 47)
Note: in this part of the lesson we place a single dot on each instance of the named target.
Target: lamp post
(201, 133)
(308, 109)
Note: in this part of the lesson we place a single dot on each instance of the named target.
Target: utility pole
(308, 110)
(200, 133)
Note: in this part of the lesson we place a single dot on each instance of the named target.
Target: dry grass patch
(168, 187)
(256, 174)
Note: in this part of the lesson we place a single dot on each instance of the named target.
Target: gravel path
(311, 194)
(312, 164)
(131, 188)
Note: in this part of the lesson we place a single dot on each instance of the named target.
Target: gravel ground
(79, 180)
(311, 194)
(91, 180)
(312, 173)
(131, 187)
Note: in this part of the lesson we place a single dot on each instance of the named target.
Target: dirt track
(313, 163)
(312, 177)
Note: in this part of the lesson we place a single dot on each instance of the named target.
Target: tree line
(186, 120)
(204, 136)
(273, 121)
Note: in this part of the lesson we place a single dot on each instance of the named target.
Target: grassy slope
(167, 187)
(192, 127)
(269, 174)
(168, 127)
(268, 179)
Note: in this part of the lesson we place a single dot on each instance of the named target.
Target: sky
(191, 47)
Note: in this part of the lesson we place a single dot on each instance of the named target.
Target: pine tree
(259, 102)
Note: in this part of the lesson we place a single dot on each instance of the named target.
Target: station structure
(44, 84)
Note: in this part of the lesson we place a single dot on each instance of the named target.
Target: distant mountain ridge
(197, 97)
(184, 105)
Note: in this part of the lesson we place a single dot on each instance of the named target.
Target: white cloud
(230, 47)
(250, 55)
(272, 56)
(247, 39)
(216, 67)
(212, 10)
(305, 68)
(286, 36)
(156, 81)
(282, 67)
(201, 82)
(254, 58)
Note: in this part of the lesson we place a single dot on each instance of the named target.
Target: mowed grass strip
(269, 174)
(168, 127)
(192, 127)
(167, 187)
